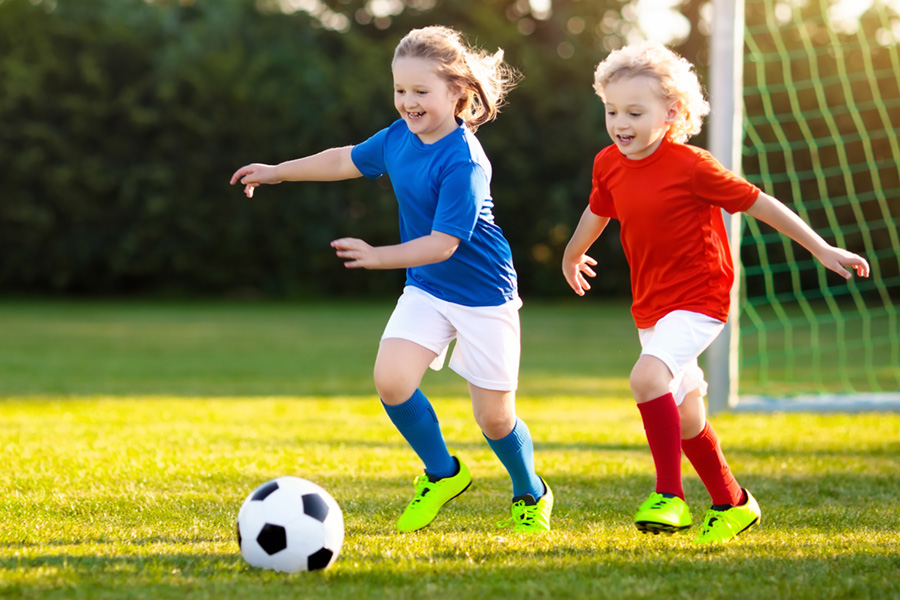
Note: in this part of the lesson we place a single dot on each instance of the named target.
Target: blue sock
(416, 421)
(516, 452)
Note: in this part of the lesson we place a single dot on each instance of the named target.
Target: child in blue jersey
(460, 280)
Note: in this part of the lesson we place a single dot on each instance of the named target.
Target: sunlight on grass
(132, 432)
(121, 497)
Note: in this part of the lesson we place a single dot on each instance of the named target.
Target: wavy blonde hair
(484, 78)
(675, 75)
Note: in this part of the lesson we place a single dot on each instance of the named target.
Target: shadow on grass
(821, 537)
(654, 569)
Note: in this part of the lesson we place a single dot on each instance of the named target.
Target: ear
(458, 91)
(673, 111)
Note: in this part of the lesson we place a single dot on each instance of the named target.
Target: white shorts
(678, 339)
(488, 341)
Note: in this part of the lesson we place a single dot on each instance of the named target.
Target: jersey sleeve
(369, 156)
(601, 202)
(715, 184)
(463, 191)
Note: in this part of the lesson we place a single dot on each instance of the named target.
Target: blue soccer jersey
(445, 187)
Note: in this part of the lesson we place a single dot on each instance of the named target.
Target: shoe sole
(755, 521)
(657, 528)
(468, 485)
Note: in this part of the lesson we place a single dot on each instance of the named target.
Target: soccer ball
(290, 524)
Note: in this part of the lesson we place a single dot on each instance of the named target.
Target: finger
(237, 175)
(588, 271)
(573, 282)
(840, 270)
(248, 190)
(589, 261)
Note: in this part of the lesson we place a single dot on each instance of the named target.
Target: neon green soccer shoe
(662, 513)
(530, 516)
(723, 524)
(431, 496)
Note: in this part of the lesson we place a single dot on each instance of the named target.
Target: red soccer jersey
(672, 229)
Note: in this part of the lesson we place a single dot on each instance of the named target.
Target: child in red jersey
(668, 198)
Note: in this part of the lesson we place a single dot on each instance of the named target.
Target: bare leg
(509, 438)
(495, 411)
(399, 368)
(693, 415)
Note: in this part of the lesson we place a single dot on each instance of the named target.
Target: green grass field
(131, 433)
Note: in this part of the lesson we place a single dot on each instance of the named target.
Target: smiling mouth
(625, 138)
(414, 115)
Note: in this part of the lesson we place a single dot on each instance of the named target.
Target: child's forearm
(426, 250)
(576, 265)
(334, 164)
(589, 228)
(771, 211)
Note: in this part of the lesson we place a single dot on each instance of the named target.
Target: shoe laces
(523, 515)
(663, 501)
(715, 519)
(423, 486)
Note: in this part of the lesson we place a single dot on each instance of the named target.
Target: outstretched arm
(772, 211)
(576, 264)
(425, 250)
(334, 164)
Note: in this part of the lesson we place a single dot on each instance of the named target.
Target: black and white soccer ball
(290, 524)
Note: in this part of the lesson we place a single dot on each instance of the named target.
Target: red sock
(662, 423)
(705, 454)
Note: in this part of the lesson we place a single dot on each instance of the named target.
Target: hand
(575, 273)
(837, 259)
(254, 174)
(356, 253)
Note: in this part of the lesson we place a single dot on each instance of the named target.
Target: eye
(634, 114)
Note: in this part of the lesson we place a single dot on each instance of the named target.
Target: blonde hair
(484, 78)
(675, 75)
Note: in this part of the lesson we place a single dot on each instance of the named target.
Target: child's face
(424, 99)
(637, 115)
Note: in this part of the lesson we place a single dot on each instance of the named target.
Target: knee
(391, 385)
(649, 379)
(496, 425)
(693, 415)
(638, 383)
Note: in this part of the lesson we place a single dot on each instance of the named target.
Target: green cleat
(530, 515)
(431, 495)
(662, 513)
(726, 523)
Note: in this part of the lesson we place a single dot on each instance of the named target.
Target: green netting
(822, 114)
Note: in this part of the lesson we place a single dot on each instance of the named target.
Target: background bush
(122, 121)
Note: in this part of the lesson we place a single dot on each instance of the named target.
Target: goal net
(821, 132)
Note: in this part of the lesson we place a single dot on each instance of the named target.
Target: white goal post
(726, 140)
(725, 136)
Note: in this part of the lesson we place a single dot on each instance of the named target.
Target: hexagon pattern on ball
(290, 524)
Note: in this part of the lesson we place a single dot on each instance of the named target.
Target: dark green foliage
(123, 121)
